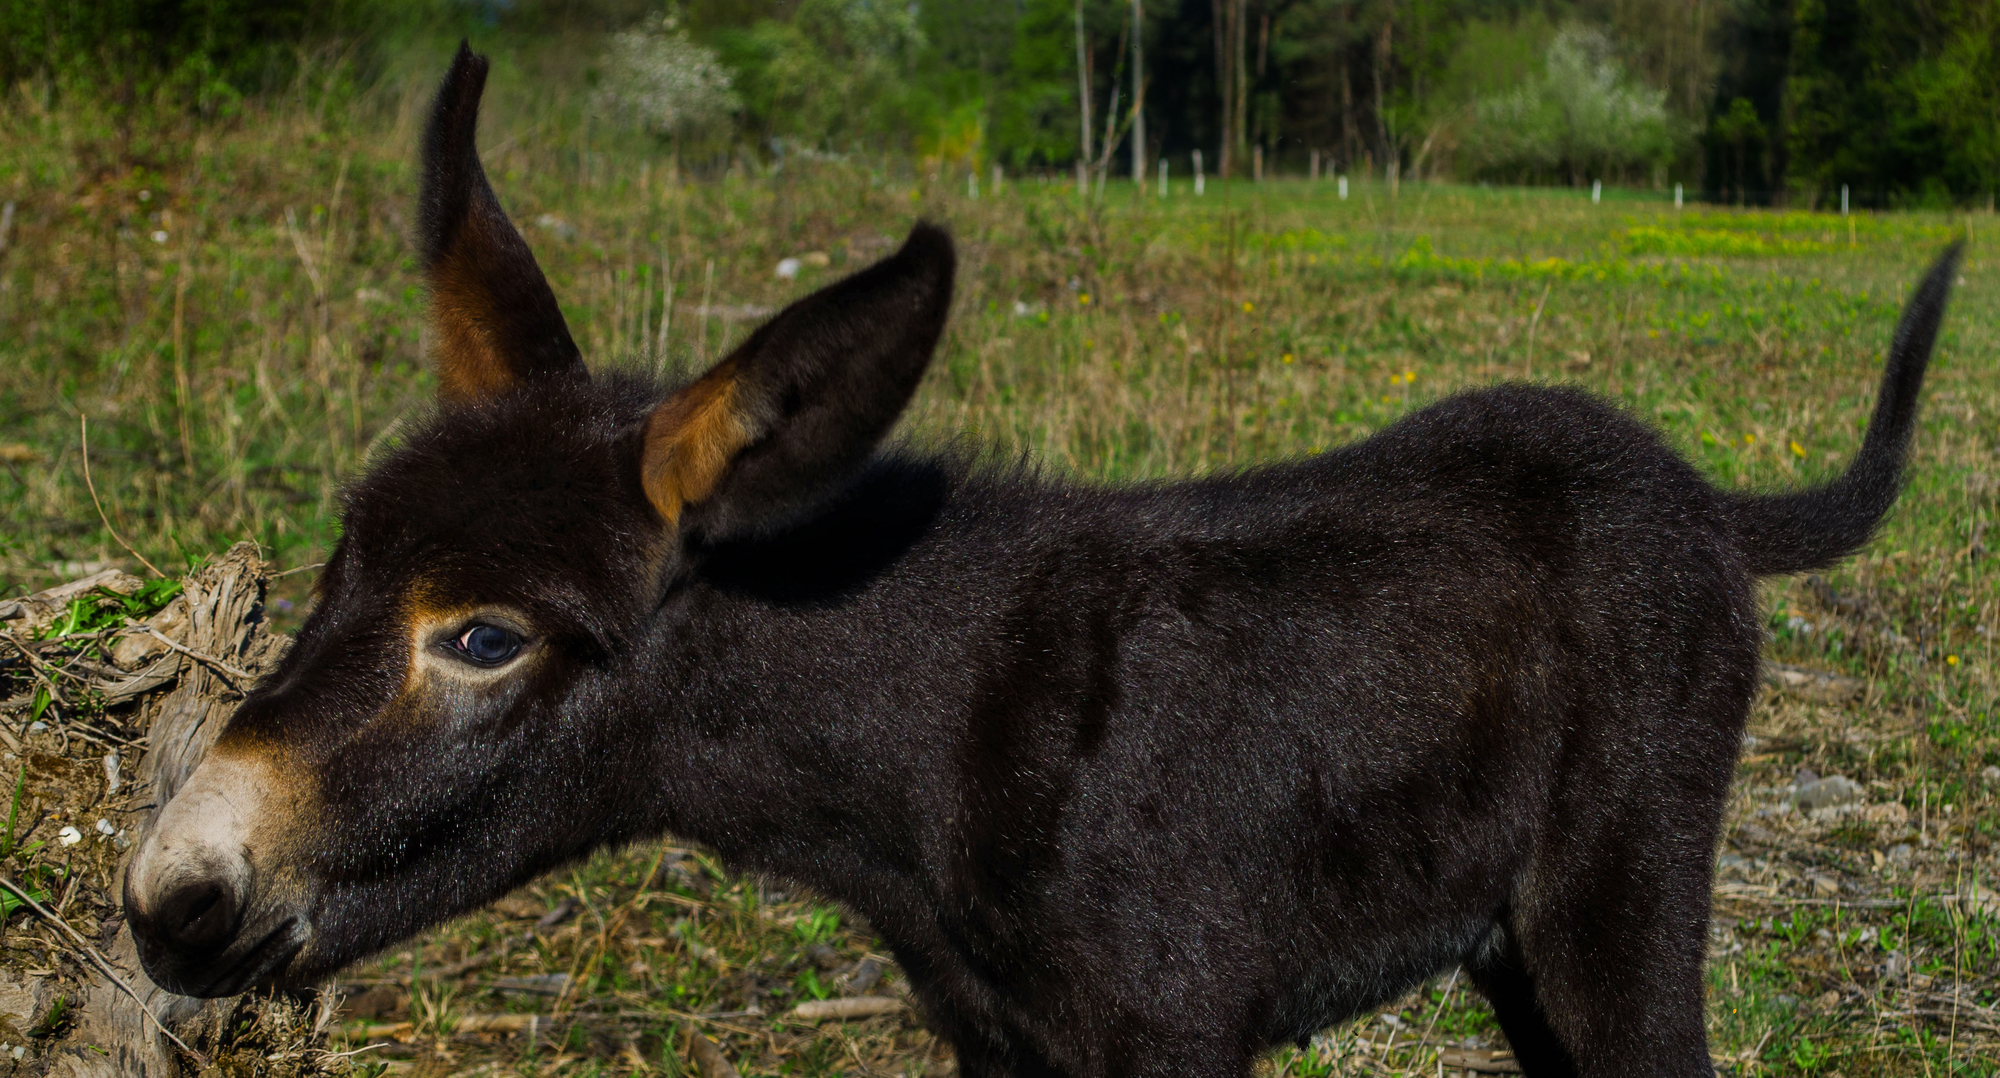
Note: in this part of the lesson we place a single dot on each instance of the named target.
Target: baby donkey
(1134, 780)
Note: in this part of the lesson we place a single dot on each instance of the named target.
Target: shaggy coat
(1134, 780)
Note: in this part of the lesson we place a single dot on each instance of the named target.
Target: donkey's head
(451, 719)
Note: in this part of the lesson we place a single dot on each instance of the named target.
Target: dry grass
(236, 371)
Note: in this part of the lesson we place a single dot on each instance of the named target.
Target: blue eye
(487, 645)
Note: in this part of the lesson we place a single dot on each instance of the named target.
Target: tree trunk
(1261, 136)
(1382, 39)
(1241, 124)
(1139, 94)
(1083, 104)
(1225, 80)
(1346, 97)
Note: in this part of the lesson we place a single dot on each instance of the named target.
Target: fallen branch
(856, 1007)
(231, 671)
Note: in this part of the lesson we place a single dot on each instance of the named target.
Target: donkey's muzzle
(197, 916)
(208, 918)
(189, 922)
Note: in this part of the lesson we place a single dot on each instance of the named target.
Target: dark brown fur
(1134, 780)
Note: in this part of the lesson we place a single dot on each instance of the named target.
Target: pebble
(69, 836)
(556, 226)
(788, 268)
(1992, 773)
(1825, 793)
(1895, 966)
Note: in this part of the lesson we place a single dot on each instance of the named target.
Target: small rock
(1824, 886)
(1826, 793)
(1889, 812)
(519, 907)
(823, 956)
(382, 1001)
(556, 227)
(788, 268)
(104, 828)
(1900, 854)
(1979, 900)
(564, 911)
(540, 984)
(1822, 686)
(866, 974)
(69, 836)
(1895, 966)
(1992, 773)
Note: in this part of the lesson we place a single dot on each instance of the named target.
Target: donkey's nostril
(199, 914)
(200, 904)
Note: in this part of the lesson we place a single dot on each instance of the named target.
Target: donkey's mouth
(260, 963)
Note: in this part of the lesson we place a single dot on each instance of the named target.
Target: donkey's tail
(1811, 529)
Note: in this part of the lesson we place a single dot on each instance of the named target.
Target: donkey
(1134, 780)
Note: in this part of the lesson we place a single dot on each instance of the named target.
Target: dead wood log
(213, 635)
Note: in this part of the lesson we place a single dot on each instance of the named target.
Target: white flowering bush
(660, 78)
(1582, 119)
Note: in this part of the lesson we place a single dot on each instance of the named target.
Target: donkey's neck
(814, 685)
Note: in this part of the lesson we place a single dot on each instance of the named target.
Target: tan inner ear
(469, 364)
(690, 439)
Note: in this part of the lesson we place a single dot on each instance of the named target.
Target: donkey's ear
(796, 409)
(494, 320)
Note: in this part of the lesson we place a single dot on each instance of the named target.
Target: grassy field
(233, 312)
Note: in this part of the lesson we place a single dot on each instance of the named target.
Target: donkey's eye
(487, 645)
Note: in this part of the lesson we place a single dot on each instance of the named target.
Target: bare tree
(1225, 78)
(1139, 93)
(1240, 126)
(1382, 41)
(1346, 94)
(1083, 103)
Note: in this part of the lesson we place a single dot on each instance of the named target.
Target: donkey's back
(1134, 780)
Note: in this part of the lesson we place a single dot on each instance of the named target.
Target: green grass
(237, 371)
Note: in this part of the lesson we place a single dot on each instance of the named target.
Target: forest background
(1784, 102)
